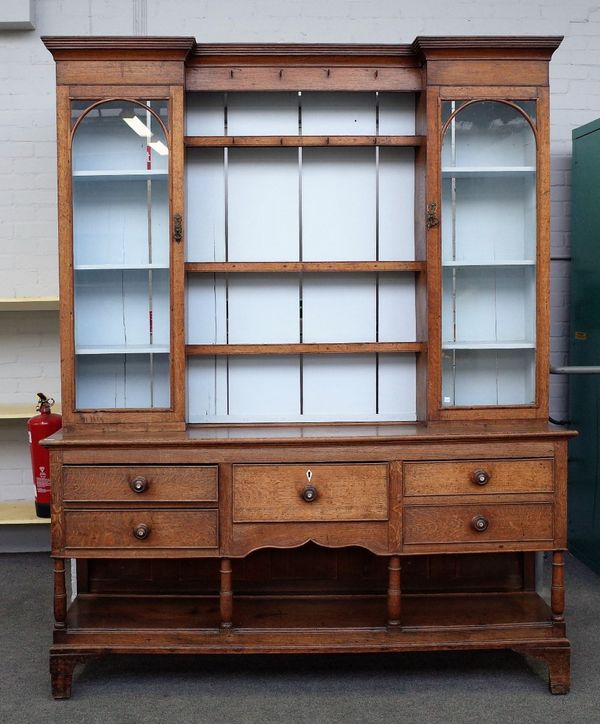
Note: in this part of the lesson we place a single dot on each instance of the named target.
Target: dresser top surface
(313, 434)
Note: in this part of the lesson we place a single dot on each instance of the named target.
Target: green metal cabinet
(584, 347)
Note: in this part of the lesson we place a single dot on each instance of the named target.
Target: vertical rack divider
(150, 278)
(300, 258)
(226, 234)
(377, 252)
(454, 269)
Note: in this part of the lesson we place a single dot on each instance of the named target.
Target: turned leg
(393, 594)
(60, 594)
(557, 599)
(61, 673)
(226, 594)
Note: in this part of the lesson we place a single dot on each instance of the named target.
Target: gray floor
(452, 687)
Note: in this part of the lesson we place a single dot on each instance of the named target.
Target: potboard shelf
(303, 348)
(299, 141)
(305, 266)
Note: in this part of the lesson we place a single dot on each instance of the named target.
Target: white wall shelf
(28, 304)
(21, 411)
(20, 512)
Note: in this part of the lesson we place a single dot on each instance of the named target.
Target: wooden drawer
(274, 493)
(460, 477)
(165, 529)
(476, 524)
(114, 483)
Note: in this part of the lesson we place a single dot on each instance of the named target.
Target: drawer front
(143, 484)
(141, 529)
(274, 493)
(478, 476)
(434, 524)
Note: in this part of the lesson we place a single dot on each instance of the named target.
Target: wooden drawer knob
(480, 477)
(141, 531)
(480, 523)
(309, 494)
(139, 484)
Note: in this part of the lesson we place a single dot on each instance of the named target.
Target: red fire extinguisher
(39, 427)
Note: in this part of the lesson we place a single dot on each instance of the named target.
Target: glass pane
(488, 230)
(121, 255)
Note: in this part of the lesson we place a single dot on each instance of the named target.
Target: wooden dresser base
(98, 624)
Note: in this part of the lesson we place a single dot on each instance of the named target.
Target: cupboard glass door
(120, 175)
(488, 229)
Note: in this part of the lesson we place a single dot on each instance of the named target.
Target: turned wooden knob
(141, 531)
(480, 523)
(480, 477)
(309, 494)
(138, 484)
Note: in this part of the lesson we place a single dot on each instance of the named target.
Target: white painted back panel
(396, 204)
(205, 309)
(113, 307)
(262, 114)
(397, 311)
(396, 114)
(489, 377)
(263, 309)
(338, 114)
(263, 204)
(205, 205)
(339, 308)
(264, 388)
(338, 204)
(493, 218)
(110, 222)
(204, 114)
(397, 386)
(339, 387)
(122, 381)
(490, 304)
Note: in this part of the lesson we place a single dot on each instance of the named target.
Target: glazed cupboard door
(125, 253)
(489, 236)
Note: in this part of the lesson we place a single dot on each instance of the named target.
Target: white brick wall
(27, 155)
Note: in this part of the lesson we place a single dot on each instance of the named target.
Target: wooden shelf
(193, 350)
(505, 262)
(486, 171)
(28, 304)
(131, 175)
(304, 266)
(118, 267)
(358, 621)
(20, 512)
(488, 345)
(300, 141)
(123, 349)
(22, 411)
